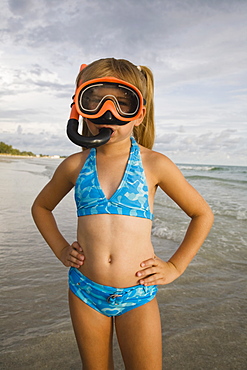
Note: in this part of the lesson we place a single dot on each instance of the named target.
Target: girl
(114, 271)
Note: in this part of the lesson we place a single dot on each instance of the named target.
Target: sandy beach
(204, 349)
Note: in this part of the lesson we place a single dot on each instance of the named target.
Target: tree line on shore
(8, 149)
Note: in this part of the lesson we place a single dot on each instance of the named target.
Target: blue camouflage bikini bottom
(108, 300)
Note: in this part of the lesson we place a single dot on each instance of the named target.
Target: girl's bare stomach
(114, 247)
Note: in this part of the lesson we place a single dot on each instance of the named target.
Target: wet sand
(206, 349)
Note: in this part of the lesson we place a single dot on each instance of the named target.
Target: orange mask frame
(109, 102)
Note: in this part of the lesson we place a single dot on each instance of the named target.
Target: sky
(196, 49)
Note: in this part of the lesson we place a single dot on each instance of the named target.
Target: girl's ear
(139, 120)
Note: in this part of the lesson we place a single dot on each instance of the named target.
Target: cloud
(43, 142)
(196, 49)
(224, 147)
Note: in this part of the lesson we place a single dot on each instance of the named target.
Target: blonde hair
(141, 77)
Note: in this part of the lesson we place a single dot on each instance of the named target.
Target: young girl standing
(114, 271)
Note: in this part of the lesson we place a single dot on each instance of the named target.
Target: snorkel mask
(104, 101)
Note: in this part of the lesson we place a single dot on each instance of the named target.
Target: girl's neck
(119, 147)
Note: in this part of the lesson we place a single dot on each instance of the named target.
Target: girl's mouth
(104, 127)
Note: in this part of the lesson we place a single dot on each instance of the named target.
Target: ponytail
(145, 132)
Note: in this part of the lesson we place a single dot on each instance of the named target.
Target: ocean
(203, 312)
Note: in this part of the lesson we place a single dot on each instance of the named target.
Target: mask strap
(82, 67)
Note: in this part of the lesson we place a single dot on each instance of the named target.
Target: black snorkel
(91, 141)
(103, 136)
(87, 141)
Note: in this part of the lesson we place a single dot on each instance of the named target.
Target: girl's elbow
(34, 209)
(205, 214)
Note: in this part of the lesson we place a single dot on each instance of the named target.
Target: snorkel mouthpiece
(87, 141)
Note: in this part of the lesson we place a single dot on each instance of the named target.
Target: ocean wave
(200, 168)
(212, 178)
(238, 214)
(241, 215)
(162, 231)
(212, 168)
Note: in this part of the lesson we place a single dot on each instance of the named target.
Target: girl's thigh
(93, 333)
(140, 337)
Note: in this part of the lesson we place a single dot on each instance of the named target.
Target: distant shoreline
(29, 156)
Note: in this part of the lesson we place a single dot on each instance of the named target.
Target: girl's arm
(60, 184)
(173, 183)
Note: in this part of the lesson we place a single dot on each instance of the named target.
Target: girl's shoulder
(155, 159)
(72, 165)
(76, 158)
(159, 165)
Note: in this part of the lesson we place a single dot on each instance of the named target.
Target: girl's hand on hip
(156, 271)
(72, 255)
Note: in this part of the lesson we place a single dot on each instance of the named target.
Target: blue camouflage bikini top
(131, 197)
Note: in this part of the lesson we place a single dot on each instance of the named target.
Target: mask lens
(93, 97)
(128, 100)
(90, 98)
